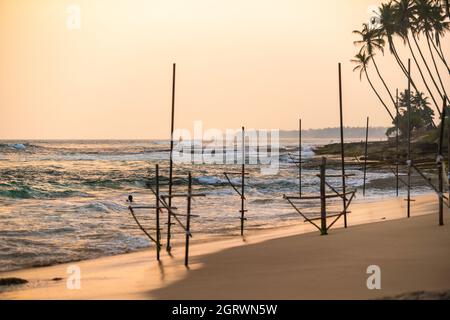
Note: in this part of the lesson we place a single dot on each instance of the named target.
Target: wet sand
(287, 263)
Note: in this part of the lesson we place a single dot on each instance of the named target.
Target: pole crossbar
(235, 187)
(301, 213)
(343, 212)
(324, 214)
(141, 227)
(181, 195)
(338, 175)
(427, 179)
(329, 215)
(148, 207)
(327, 196)
(398, 177)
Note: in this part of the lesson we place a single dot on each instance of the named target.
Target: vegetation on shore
(424, 149)
(420, 26)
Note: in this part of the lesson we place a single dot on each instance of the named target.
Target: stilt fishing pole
(397, 129)
(300, 157)
(158, 210)
(341, 113)
(243, 183)
(440, 163)
(188, 220)
(172, 128)
(324, 214)
(409, 159)
(365, 156)
(240, 190)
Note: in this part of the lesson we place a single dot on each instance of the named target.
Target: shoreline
(136, 275)
(203, 238)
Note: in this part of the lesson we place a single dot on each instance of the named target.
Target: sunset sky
(257, 63)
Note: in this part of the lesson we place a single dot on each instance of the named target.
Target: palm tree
(371, 41)
(362, 60)
(440, 27)
(404, 11)
(425, 11)
(388, 29)
(427, 14)
(421, 115)
(445, 7)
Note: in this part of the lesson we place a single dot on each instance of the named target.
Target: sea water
(63, 201)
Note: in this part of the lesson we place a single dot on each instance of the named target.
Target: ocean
(63, 201)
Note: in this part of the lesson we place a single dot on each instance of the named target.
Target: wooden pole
(188, 220)
(448, 147)
(408, 95)
(440, 161)
(397, 143)
(344, 199)
(323, 204)
(365, 156)
(172, 128)
(158, 228)
(243, 183)
(300, 157)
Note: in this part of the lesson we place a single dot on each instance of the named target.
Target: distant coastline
(333, 133)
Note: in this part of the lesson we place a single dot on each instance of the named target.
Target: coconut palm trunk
(382, 80)
(428, 68)
(378, 95)
(440, 54)
(401, 64)
(436, 67)
(421, 75)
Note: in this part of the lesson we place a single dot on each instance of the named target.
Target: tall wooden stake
(188, 220)
(440, 162)
(172, 128)
(158, 228)
(323, 198)
(408, 95)
(365, 156)
(300, 157)
(243, 183)
(342, 146)
(397, 143)
(448, 147)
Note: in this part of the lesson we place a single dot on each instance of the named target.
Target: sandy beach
(287, 263)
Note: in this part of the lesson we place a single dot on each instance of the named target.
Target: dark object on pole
(323, 199)
(365, 157)
(409, 160)
(397, 160)
(188, 220)
(172, 128)
(158, 210)
(344, 199)
(300, 157)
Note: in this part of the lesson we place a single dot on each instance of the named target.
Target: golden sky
(257, 63)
